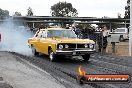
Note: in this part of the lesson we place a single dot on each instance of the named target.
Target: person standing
(102, 39)
(105, 33)
(78, 32)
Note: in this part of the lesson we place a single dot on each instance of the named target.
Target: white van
(124, 35)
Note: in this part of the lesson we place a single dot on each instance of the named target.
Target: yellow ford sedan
(56, 42)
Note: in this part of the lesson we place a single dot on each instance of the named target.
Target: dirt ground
(122, 49)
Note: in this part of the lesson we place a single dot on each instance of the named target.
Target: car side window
(44, 34)
(36, 34)
(39, 34)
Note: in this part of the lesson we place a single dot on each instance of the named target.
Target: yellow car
(60, 42)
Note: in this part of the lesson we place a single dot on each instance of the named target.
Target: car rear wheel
(34, 52)
(51, 55)
(86, 57)
(121, 38)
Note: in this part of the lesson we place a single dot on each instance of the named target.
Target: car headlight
(66, 46)
(86, 45)
(91, 46)
(60, 46)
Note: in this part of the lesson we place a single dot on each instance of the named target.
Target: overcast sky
(85, 8)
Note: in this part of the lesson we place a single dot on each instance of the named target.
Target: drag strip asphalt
(66, 70)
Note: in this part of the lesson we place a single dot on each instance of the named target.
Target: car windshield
(61, 33)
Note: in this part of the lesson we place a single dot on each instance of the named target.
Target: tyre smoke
(14, 39)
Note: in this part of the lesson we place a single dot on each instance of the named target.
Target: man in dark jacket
(102, 39)
(78, 31)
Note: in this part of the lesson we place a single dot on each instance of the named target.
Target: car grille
(74, 46)
(80, 45)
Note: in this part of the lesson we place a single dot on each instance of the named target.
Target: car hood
(72, 40)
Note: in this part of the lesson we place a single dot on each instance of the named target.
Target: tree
(63, 9)
(127, 10)
(29, 12)
(119, 15)
(4, 14)
(17, 14)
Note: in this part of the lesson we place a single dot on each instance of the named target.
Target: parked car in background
(60, 42)
(124, 34)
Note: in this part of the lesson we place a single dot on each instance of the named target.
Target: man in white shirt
(105, 33)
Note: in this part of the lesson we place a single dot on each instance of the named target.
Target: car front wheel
(86, 57)
(34, 52)
(51, 55)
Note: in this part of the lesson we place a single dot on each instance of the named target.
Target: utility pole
(130, 30)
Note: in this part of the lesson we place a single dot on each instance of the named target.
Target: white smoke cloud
(14, 38)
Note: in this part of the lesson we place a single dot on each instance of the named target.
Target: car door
(44, 43)
(37, 41)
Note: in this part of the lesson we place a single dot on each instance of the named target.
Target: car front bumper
(74, 52)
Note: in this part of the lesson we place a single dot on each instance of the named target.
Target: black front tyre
(51, 55)
(35, 53)
(86, 57)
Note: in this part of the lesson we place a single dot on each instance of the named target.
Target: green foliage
(17, 14)
(29, 12)
(84, 26)
(127, 10)
(63, 9)
(4, 14)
